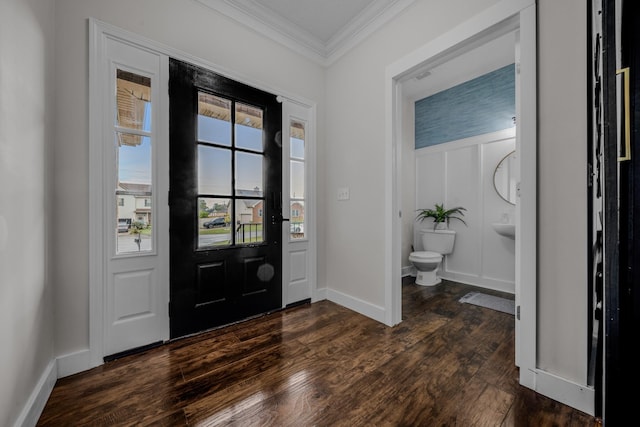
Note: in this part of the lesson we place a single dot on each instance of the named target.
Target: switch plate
(343, 193)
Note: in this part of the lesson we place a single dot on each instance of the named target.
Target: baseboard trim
(482, 282)
(408, 271)
(564, 391)
(359, 306)
(73, 363)
(319, 295)
(38, 399)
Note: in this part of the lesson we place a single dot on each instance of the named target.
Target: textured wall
(482, 105)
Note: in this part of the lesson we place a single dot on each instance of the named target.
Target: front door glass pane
(248, 127)
(214, 222)
(230, 172)
(214, 119)
(248, 225)
(248, 174)
(214, 170)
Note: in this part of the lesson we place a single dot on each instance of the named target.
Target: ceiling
(321, 18)
(485, 58)
(323, 30)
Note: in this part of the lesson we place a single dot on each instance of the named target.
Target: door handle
(278, 219)
(627, 115)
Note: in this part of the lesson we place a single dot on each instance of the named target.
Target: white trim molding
(34, 406)
(575, 395)
(257, 17)
(365, 308)
(408, 270)
(73, 363)
(318, 294)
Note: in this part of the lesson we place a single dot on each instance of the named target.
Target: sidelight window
(297, 179)
(133, 141)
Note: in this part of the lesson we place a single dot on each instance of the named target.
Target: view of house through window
(133, 192)
(230, 172)
(296, 168)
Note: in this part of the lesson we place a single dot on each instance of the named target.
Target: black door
(629, 195)
(621, 96)
(225, 200)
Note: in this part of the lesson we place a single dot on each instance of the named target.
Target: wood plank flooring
(446, 364)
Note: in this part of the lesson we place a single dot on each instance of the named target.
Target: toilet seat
(425, 256)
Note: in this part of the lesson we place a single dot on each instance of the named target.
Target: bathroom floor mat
(489, 301)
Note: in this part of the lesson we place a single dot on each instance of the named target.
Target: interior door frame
(83, 360)
(503, 17)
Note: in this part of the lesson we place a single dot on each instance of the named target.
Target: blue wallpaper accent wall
(482, 105)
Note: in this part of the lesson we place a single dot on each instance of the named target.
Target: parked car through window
(216, 222)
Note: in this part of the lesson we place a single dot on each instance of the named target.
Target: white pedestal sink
(506, 230)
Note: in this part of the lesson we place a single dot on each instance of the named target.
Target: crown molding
(264, 21)
(372, 18)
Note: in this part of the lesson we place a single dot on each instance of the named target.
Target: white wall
(26, 130)
(460, 173)
(562, 189)
(355, 157)
(184, 25)
(355, 144)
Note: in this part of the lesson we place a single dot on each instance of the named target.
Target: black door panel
(226, 273)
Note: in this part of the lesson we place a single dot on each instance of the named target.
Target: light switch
(343, 193)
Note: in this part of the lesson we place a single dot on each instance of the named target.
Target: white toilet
(436, 244)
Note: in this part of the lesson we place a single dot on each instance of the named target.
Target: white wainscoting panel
(460, 173)
(461, 188)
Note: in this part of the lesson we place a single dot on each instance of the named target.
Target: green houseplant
(441, 216)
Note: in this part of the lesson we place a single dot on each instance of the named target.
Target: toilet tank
(440, 241)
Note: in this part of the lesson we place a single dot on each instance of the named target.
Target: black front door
(621, 129)
(629, 196)
(225, 200)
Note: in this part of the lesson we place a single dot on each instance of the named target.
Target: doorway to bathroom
(485, 28)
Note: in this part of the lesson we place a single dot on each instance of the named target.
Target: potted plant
(441, 216)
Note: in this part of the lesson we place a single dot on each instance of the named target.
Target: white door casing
(505, 16)
(518, 216)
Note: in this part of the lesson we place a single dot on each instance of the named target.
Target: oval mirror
(504, 178)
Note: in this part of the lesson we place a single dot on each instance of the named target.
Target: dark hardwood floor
(446, 364)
